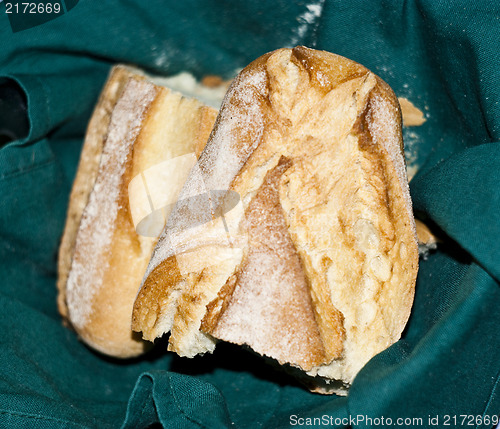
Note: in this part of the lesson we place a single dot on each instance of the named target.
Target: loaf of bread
(138, 126)
(294, 235)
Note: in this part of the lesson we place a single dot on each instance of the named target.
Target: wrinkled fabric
(442, 56)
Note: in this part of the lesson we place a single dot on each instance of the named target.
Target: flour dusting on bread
(331, 246)
(138, 128)
(292, 235)
(95, 232)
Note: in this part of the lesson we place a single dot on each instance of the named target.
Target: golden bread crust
(332, 129)
(87, 173)
(142, 125)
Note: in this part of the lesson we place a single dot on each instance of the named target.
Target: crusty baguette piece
(87, 173)
(317, 266)
(136, 125)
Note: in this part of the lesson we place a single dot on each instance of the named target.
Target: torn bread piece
(87, 173)
(315, 266)
(427, 241)
(412, 115)
(138, 125)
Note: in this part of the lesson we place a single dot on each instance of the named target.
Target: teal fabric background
(442, 55)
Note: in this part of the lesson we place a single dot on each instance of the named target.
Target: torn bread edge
(156, 313)
(85, 284)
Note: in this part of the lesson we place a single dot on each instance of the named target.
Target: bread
(412, 115)
(427, 241)
(86, 174)
(137, 125)
(311, 258)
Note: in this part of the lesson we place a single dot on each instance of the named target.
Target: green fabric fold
(440, 55)
(175, 400)
(462, 195)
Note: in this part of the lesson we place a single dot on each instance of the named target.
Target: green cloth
(443, 56)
